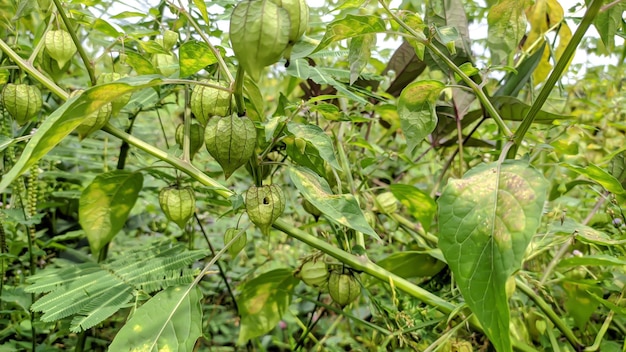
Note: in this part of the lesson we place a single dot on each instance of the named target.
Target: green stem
(477, 90)
(555, 75)
(32, 71)
(545, 307)
(41, 42)
(182, 165)
(365, 265)
(77, 43)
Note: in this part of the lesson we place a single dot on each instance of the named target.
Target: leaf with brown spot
(486, 221)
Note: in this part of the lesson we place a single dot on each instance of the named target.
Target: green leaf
(341, 208)
(300, 68)
(511, 108)
(486, 221)
(67, 117)
(419, 204)
(105, 204)
(202, 8)
(416, 109)
(106, 28)
(507, 26)
(591, 260)
(617, 167)
(169, 321)
(317, 138)
(263, 301)
(515, 81)
(608, 22)
(91, 292)
(411, 264)
(600, 176)
(580, 304)
(360, 51)
(194, 56)
(351, 26)
(142, 65)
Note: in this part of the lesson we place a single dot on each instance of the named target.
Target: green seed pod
(231, 141)
(166, 64)
(94, 121)
(238, 245)
(207, 101)
(314, 273)
(51, 67)
(121, 101)
(343, 287)
(178, 204)
(259, 34)
(311, 209)
(196, 137)
(264, 205)
(298, 12)
(60, 46)
(22, 101)
(169, 39)
(386, 203)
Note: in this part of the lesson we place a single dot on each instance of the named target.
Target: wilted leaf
(416, 108)
(360, 51)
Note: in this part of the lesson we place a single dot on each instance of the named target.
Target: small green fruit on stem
(22, 101)
(264, 205)
(178, 204)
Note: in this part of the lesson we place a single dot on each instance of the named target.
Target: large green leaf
(419, 204)
(195, 56)
(105, 204)
(169, 321)
(351, 26)
(507, 26)
(341, 208)
(263, 301)
(486, 221)
(416, 109)
(67, 117)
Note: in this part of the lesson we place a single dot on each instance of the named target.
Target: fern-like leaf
(92, 292)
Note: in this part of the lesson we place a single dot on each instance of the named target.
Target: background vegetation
(472, 190)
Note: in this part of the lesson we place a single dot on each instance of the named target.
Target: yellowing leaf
(543, 16)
